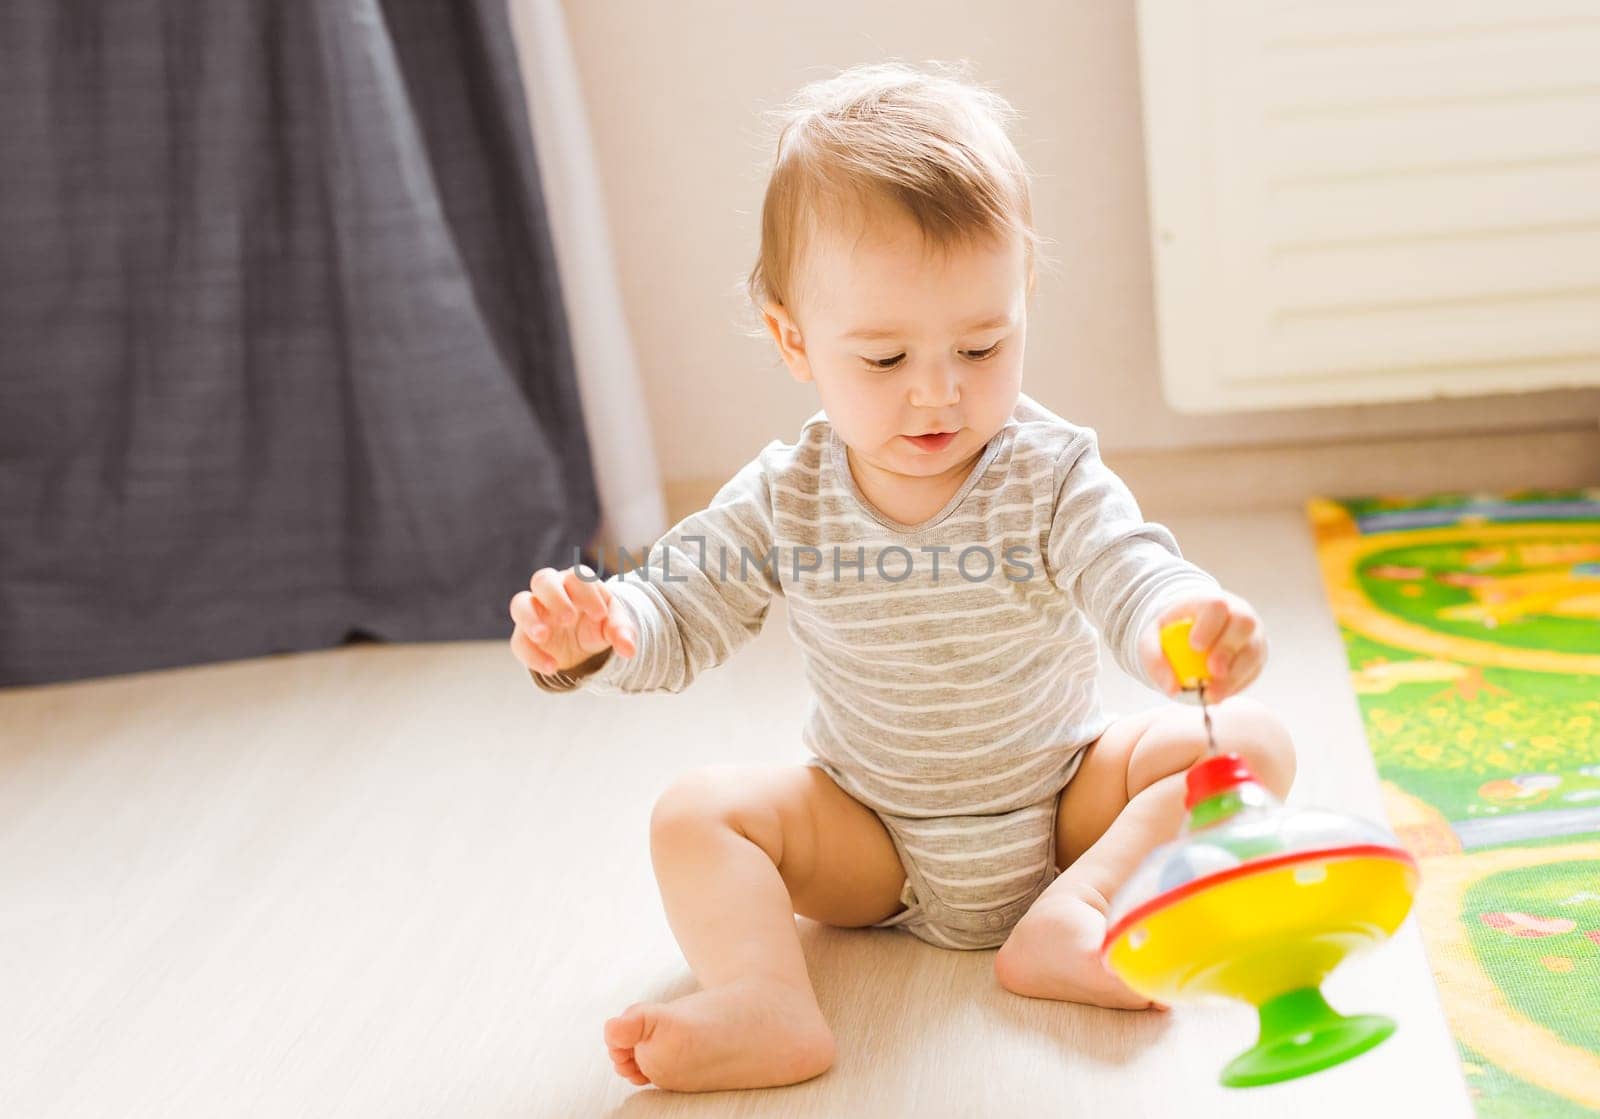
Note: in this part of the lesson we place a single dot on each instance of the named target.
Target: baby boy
(951, 553)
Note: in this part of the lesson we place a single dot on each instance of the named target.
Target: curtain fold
(283, 354)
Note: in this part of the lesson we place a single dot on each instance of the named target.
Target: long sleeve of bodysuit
(703, 591)
(1120, 569)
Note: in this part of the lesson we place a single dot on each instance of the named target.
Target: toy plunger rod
(1205, 713)
(1190, 666)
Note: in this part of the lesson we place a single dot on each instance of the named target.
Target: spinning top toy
(1259, 902)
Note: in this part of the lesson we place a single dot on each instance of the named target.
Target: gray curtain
(283, 358)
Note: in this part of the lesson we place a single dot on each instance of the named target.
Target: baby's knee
(711, 797)
(1177, 740)
(1256, 733)
(692, 799)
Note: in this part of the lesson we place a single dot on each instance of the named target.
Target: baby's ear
(785, 332)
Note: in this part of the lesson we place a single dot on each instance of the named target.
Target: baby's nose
(938, 389)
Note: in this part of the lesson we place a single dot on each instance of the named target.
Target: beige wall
(674, 90)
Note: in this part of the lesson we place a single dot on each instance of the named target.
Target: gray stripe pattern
(952, 663)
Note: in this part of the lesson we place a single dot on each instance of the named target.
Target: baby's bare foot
(753, 1033)
(1054, 953)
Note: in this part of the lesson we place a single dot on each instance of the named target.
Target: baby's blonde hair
(931, 142)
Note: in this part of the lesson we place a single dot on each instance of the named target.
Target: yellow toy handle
(1188, 662)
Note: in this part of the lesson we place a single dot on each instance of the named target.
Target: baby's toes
(627, 1067)
(622, 1034)
(627, 1029)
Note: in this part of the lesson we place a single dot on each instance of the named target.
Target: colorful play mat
(1472, 625)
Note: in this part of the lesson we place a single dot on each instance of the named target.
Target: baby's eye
(981, 355)
(886, 362)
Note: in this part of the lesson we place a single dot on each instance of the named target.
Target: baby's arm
(691, 604)
(1121, 570)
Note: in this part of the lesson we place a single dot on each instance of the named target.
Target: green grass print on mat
(1536, 931)
(1422, 598)
(1497, 1094)
(1491, 719)
(1443, 742)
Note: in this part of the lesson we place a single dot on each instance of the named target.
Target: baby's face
(901, 340)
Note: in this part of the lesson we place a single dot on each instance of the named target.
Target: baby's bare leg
(1126, 799)
(737, 853)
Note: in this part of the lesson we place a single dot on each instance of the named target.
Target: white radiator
(1372, 201)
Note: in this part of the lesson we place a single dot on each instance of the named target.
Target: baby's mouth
(935, 442)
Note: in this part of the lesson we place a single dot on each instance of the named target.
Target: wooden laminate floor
(400, 881)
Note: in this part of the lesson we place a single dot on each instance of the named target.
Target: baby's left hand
(1226, 625)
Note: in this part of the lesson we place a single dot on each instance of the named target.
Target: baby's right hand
(564, 619)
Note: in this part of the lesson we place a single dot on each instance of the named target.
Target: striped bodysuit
(952, 663)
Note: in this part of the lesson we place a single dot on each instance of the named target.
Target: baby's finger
(552, 596)
(1241, 629)
(586, 591)
(619, 628)
(526, 614)
(1219, 663)
(1247, 666)
(1209, 623)
(1238, 672)
(523, 648)
(1216, 672)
